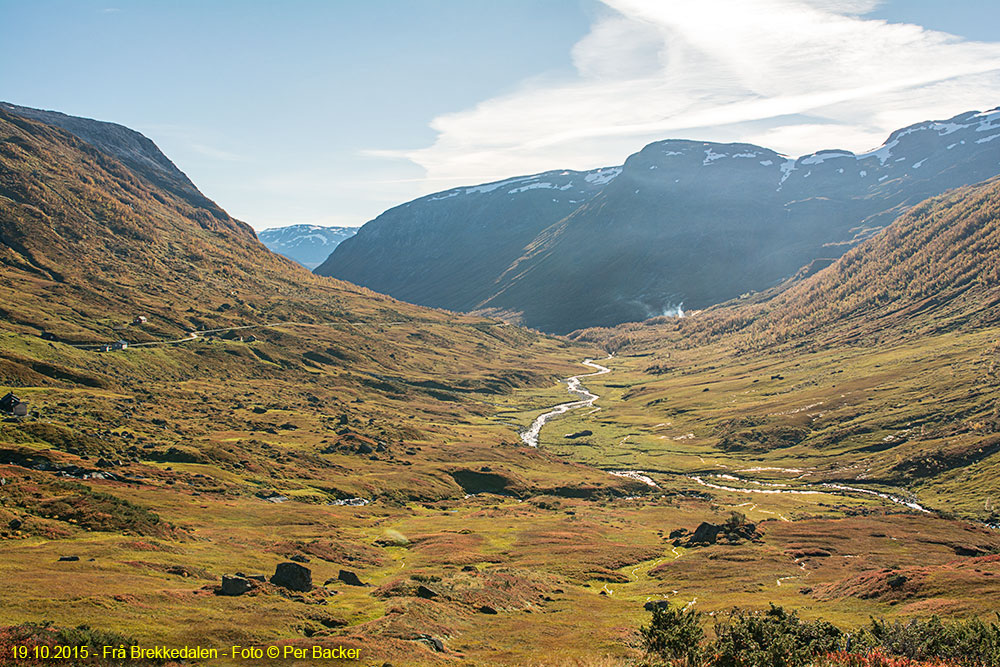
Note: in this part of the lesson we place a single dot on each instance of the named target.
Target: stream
(574, 386)
(587, 399)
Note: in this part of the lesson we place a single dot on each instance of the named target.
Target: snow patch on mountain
(603, 176)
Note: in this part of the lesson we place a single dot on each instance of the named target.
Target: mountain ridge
(682, 222)
(309, 245)
(134, 149)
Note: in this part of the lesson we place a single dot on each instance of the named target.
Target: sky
(331, 111)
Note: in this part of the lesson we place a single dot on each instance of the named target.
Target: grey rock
(426, 593)
(349, 578)
(292, 576)
(234, 585)
(705, 533)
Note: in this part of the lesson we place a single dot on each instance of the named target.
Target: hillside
(934, 269)
(879, 368)
(684, 224)
(134, 150)
(308, 245)
(93, 253)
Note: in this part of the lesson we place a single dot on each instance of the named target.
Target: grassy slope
(206, 427)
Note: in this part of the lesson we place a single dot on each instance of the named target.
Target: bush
(972, 642)
(771, 638)
(776, 638)
(674, 634)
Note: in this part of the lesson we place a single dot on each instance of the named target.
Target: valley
(829, 445)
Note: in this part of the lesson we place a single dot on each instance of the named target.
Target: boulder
(656, 604)
(705, 533)
(299, 558)
(15, 524)
(234, 585)
(349, 578)
(426, 593)
(486, 609)
(68, 559)
(292, 576)
(432, 642)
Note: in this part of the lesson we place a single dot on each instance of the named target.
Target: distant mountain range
(681, 225)
(308, 245)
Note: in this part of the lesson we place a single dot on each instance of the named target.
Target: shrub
(674, 634)
(771, 638)
(776, 638)
(972, 642)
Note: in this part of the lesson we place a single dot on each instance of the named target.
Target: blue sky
(329, 112)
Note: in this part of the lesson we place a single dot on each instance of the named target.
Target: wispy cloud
(793, 75)
(215, 153)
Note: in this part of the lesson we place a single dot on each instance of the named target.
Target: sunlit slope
(89, 246)
(879, 369)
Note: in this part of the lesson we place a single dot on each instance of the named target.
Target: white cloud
(793, 75)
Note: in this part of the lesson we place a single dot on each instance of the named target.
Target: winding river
(587, 398)
(574, 386)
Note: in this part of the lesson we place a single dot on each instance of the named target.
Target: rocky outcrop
(234, 585)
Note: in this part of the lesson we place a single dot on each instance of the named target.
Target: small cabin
(119, 345)
(12, 405)
(140, 319)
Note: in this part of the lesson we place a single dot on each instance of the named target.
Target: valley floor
(539, 562)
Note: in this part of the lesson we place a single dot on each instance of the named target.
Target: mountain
(447, 249)
(93, 252)
(682, 225)
(933, 270)
(130, 147)
(308, 245)
(877, 369)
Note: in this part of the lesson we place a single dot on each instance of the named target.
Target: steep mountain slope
(878, 369)
(92, 252)
(134, 150)
(447, 249)
(308, 245)
(685, 223)
(936, 268)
